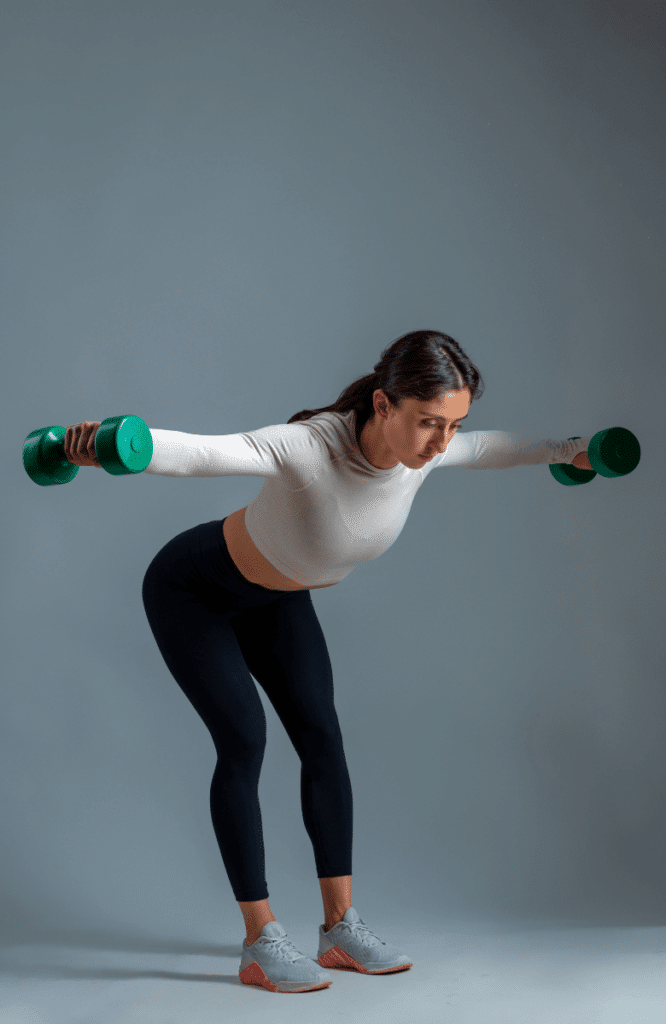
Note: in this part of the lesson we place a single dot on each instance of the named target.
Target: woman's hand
(80, 444)
(582, 462)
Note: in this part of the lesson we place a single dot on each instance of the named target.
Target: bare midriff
(249, 560)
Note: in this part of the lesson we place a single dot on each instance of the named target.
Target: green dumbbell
(612, 452)
(123, 444)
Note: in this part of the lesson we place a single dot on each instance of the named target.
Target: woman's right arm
(287, 450)
(175, 453)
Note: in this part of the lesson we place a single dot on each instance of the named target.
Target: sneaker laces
(283, 948)
(360, 930)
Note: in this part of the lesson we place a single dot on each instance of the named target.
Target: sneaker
(274, 962)
(350, 945)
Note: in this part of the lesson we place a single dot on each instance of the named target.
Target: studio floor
(462, 974)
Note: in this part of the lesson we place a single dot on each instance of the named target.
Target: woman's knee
(239, 749)
(322, 744)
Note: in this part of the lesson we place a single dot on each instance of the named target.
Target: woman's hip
(198, 562)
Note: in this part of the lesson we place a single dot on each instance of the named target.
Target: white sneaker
(274, 962)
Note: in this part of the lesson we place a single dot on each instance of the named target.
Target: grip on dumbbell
(612, 452)
(570, 475)
(123, 445)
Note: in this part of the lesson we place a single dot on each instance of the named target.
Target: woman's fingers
(80, 443)
(582, 462)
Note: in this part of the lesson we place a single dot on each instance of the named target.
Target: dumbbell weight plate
(570, 475)
(44, 457)
(614, 452)
(123, 445)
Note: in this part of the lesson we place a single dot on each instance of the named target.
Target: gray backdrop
(217, 214)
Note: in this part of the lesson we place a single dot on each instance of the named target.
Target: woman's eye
(425, 424)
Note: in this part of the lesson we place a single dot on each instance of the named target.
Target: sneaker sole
(337, 960)
(253, 974)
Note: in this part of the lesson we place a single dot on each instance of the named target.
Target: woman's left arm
(500, 449)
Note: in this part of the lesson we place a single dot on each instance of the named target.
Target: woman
(230, 599)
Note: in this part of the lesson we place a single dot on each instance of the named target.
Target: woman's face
(414, 433)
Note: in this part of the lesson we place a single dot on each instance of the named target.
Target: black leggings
(213, 628)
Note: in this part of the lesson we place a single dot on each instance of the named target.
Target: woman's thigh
(284, 648)
(201, 650)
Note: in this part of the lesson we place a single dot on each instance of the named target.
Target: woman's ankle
(252, 936)
(256, 914)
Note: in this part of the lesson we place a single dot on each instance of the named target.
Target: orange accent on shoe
(337, 959)
(254, 975)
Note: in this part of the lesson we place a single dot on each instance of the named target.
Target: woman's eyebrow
(431, 416)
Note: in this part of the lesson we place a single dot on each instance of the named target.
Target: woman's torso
(249, 560)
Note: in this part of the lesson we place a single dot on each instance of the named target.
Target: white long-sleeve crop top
(324, 508)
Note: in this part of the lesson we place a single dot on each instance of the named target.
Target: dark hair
(422, 365)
